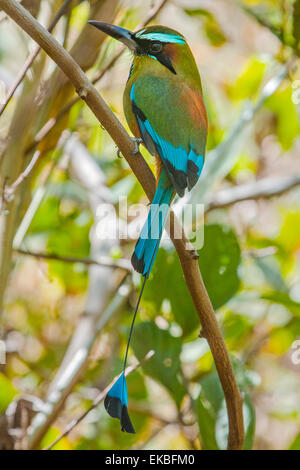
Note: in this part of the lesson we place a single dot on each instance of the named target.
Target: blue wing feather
(183, 167)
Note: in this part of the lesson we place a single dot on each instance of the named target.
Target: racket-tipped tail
(116, 402)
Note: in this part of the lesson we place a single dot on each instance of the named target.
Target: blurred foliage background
(65, 323)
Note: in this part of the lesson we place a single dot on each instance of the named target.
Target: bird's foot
(137, 142)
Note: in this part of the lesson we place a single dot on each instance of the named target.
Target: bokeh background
(65, 322)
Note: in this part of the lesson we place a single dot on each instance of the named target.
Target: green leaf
(236, 328)
(197, 12)
(219, 260)
(212, 27)
(249, 80)
(289, 236)
(7, 392)
(206, 421)
(295, 445)
(164, 366)
(282, 105)
(51, 435)
(214, 32)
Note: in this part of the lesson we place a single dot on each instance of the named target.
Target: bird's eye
(156, 47)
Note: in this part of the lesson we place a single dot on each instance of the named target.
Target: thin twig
(98, 400)
(190, 266)
(32, 57)
(102, 261)
(12, 188)
(9, 190)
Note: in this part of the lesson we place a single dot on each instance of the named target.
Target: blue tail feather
(143, 258)
(148, 243)
(116, 402)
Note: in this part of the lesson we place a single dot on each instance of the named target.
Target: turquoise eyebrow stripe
(162, 37)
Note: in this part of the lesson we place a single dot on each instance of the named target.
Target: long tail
(146, 248)
(142, 260)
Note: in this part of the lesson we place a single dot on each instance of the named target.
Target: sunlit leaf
(288, 127)
(206, 421)
(7, 392)
(248, 82)
(212, 28)
(51, 435)
(295, 445)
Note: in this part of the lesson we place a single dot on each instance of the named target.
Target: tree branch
(189, 265)
(104, 261)
(9, 191)
(264, 188)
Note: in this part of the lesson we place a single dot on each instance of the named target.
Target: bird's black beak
(122, 34)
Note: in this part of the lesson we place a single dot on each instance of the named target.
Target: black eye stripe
(144, 48)
(146, 45)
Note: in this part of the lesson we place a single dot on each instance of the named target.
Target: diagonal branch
(189, 264)
(9, 191)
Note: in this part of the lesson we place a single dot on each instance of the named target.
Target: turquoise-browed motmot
(164, 107)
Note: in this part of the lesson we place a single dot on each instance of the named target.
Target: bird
(165, 110)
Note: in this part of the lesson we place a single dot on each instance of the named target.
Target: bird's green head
(159, 43)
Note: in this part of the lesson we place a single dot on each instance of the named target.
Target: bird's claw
(137, 141)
